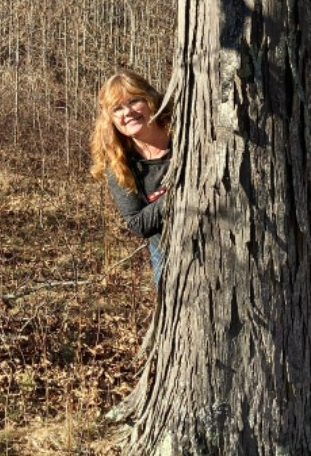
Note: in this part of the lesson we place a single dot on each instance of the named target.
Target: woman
(134, 151)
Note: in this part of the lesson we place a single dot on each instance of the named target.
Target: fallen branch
(68, 283)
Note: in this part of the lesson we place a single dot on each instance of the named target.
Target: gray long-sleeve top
(143, 218)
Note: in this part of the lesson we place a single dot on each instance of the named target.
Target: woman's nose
(127, 109)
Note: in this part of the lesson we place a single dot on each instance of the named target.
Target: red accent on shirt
(155, 195)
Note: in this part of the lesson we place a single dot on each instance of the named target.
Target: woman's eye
(135, 101)
(117, 108)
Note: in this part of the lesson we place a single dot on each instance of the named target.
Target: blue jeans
(156, 257)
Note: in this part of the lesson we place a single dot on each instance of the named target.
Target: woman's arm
(141, 218)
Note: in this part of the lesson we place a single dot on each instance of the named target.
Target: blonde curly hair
(108, 145)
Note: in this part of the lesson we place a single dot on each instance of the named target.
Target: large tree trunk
(231, 357)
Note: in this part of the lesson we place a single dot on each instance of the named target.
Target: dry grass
(66, 353)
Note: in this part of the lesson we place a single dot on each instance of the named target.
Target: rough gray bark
(231, 353)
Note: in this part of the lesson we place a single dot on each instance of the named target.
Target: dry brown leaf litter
(66, 354)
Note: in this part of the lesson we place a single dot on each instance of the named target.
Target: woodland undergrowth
(72, 316)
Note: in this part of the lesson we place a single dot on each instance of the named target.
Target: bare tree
(230, 353)
(55, 55)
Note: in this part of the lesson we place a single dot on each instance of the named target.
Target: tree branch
(68, 283)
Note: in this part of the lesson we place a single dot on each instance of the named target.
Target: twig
(31, 318)
(68, 283)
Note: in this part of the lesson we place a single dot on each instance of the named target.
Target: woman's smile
(134, 119)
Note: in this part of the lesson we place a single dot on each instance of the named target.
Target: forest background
(76, 288)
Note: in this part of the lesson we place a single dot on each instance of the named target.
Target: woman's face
(131, 116)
